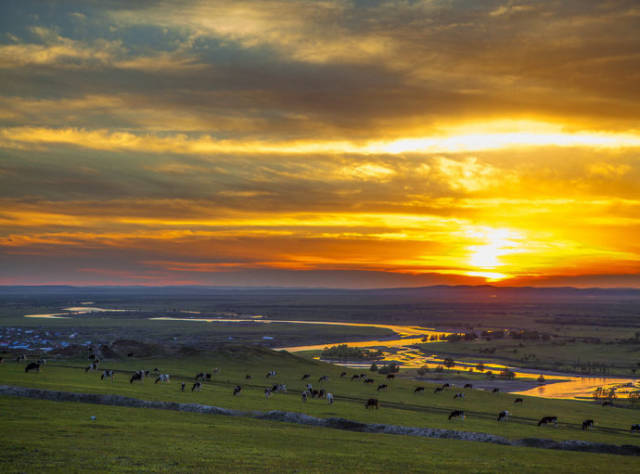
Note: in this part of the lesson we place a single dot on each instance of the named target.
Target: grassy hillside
(399, 404)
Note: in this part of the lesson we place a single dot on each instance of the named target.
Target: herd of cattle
(308, 391)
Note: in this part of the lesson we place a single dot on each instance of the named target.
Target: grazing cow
(324, 378)
(446, 385)
(495, 390)
(21, 357)
(418, 390)
(586, 424)
(162, 378)
(1, 360)
(40, 361)
(136, 376)
(635, 428)
(372, 402)
(32, 366)
(267, 393)
(468, 385)
(271, 373)
(343, 374)
(438, 390)
(247, 377)
(200, 377)
(237, 390)
(315, 393)
(518, 400)
(503, 415)
(330, 398)
(130, 354)
(322, 393)
(545, 420)
(305, 395)
(459, 395)
(306, 376)
(107, 374)
(216, 370)
(355, 377)
(391, 376)
(155, 369)
(93, 366)
(182, 385)
(456, 414)
(196, 387)
(607, 403)
(309, 387)
(368, 380)
(382, 387)
(207, 376)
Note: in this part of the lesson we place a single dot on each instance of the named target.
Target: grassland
(43, 436)
(399, 404)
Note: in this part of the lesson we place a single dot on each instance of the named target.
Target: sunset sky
(334, 144)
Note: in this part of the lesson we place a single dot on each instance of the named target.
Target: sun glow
(486, 257)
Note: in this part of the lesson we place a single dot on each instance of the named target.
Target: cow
(518, 400)
(495, 390)
(355, 377)
(162, 378)
(40, 361)
(456, 414)
(130, 354)
(305, 376)
(92, 366)
(391, 376)
(1, 360)
(32, 366)
(196, 387)
(586, 424)
(607, 403)
(446, 385)
(503, 415)
(247, 377)
(200, 377)
(419, 390)
(309, 387)
(382, 387)
(468, 385)
(330, 398)
(271, 373)
(459, 395)
(635, 428)
(368, 380)
(155, 369)
(343, 374)
(107, 374)
(372, 402)
(305, 395)
(237, 390)
(438, 390)
(324, 378)
(21, 357)
(207, 376)
(182, 386)
(545, 420)
(267, 393)
(136, 376)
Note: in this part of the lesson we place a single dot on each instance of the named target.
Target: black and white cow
(518, 400)
(372, 403)
(635, 428)
(196, 387)
(457, 414)
(468, 385)
(306, 376)
(324, 378)
(107, 374)
(459, 395)
(382, 387)
(419, 390)
(330, 398)
(271, 373)
(545, 420)
(503, 415)
(163, 378)
(32, 366)
(237, 390)
(586, 424)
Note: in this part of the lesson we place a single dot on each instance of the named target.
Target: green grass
(43, 436)
(399, 404)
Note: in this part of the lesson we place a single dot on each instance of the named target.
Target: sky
(348, 144)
